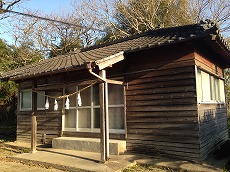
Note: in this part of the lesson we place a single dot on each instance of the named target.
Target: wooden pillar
(63, 112)
(34, 119)
(104, 120)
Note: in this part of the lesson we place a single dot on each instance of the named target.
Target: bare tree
(216, 10)
(135, 16)
(7, 5)
(90, 20)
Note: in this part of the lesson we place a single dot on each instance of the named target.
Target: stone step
(116, 147)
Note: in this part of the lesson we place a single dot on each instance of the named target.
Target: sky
(46, 6)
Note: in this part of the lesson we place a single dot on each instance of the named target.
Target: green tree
(12, 57)
(5, 55)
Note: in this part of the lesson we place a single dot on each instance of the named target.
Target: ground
(146, 168)
(8, 165)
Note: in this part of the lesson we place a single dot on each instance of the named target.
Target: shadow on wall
(213, 128)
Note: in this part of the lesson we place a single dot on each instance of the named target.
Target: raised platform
(116, 147)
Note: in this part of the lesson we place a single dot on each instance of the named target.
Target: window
(87, 116)
(209, 88)
(26, 100)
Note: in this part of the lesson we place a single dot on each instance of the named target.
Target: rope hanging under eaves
(67, 95)
(67, 103)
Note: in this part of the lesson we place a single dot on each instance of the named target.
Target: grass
(148, 168)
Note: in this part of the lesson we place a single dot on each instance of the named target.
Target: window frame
(214, 91)
(92, 107)
(29, 109)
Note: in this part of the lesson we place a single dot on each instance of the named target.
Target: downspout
(96, 75)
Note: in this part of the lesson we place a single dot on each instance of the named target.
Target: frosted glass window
(41, 99)
(70, 118)
(96, 100)
(222, 92)
(206, 89)
(209, 87)
(72, 99)
(116, 118)
(26, 99)
(96, 120)
(85, 96)
(116, 94)
(88, 115)
(84, 118)
(217, 89)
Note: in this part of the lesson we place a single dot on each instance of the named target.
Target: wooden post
(34, 119)
(102, 117)
(106, 121)
(63, 112)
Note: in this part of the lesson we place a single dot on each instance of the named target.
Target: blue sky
(46, 6)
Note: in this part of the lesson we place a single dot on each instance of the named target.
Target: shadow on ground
(223, 153)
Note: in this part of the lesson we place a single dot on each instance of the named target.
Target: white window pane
(116, 118)
(206, 90)
(212, 88)
(217, 89)
(221, 89)
(84, 118)
(41, 99)
(85, 96)
(26, 99)
(72, 99)
(199, 86)
(96, 122)
(70, 118)
(116, 94)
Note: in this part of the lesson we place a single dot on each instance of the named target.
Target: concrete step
(116, 147)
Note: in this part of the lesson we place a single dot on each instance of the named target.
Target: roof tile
(153, 38)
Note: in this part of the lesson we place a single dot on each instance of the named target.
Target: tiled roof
(149, 39)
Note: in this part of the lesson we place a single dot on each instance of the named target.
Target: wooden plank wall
(48, 121)
(213, 126)
(161, 104)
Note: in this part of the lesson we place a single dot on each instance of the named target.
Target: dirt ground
(8, 165)
(146, 168)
